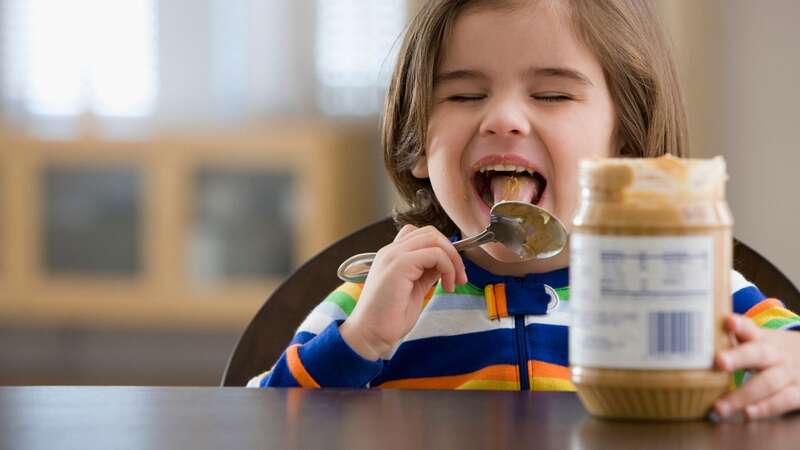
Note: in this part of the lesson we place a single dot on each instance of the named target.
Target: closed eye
(461, 98)
(552, 97)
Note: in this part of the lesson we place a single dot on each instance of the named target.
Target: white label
(642, 302)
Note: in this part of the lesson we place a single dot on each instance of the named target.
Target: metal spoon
(526, 229)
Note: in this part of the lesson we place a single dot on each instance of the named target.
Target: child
(484, 91)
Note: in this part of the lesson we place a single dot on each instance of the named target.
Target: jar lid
(663, 175)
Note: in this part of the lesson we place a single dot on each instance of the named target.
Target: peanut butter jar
(650, 263)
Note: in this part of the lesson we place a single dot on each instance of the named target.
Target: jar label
(642, 302)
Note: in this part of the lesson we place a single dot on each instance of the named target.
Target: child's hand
(400, 276)
(774, 356)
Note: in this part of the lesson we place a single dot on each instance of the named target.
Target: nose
(505, 117)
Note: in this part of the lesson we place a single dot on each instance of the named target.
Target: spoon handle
(355, 268)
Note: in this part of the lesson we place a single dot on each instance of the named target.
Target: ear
(420, 169)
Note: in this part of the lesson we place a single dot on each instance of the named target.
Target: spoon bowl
(528, 230)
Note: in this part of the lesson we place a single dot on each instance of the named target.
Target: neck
(517, 269)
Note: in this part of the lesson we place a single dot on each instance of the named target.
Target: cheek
(451, 129)
(448, 137)
(576, 144)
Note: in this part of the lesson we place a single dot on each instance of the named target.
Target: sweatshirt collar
(480, 277)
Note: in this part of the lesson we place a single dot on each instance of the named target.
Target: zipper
(522, 353)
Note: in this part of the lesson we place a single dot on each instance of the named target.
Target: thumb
(425, 283)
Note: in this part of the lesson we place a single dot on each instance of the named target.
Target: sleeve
(317, 356)
(765, 312)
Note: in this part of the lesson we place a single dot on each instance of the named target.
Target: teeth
(507, 168)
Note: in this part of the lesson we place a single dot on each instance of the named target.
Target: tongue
(520, 188)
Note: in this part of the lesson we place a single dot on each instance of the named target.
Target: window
(92, 220)
(355, 45)
(64, 58)
(242, 225)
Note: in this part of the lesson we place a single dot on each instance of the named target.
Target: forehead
(533, 33)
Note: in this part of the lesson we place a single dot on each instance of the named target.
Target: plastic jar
(651, 255)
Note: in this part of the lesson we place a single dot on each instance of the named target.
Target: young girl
(484, 91)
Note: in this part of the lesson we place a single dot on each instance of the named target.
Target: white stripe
(451, 323)
(255, 382)
(738, 282)
(321, 317)
(561, 316)
(456, 302)
(434, 323)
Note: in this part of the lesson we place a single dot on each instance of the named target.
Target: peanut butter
(650, 266)
(512, 187)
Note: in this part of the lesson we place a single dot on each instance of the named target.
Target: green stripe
(471, 289)
(344, 301)
(780, 322)
(738, 377)
(463, 289)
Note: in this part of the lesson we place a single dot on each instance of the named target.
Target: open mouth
(499, 182)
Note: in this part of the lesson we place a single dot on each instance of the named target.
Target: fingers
(742, 327)
(781, 402)
(761, 387)
(405, 231)
(410, 239)
(432, 258)
(751, 355)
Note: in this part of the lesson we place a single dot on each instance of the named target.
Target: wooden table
(236, 418)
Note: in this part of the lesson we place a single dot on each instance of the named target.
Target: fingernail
(752, 411)
(723, 408)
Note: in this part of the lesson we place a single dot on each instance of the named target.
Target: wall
(739, 64)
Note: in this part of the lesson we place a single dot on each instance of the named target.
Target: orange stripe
(502, 306)
(351, 289)
(500, 372)
(763, 305)
(299, 371)
(547, 370)
(491, 306)
(428, 296)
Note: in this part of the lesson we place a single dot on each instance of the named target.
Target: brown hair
(624, 35)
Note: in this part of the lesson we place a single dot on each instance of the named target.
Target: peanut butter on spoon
(526, 189)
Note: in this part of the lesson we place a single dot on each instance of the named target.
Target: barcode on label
(674, 332)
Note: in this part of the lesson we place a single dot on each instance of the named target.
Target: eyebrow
(557, 72)
(461, 74)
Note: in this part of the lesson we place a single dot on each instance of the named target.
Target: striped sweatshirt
(494, 332)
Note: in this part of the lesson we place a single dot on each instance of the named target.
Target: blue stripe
(746, 298)
(332, 363)
(301, 338)
(548, 343)
(480, 277)
(449, 355)
(280, 375)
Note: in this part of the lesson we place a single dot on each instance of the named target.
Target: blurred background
(164, 164)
